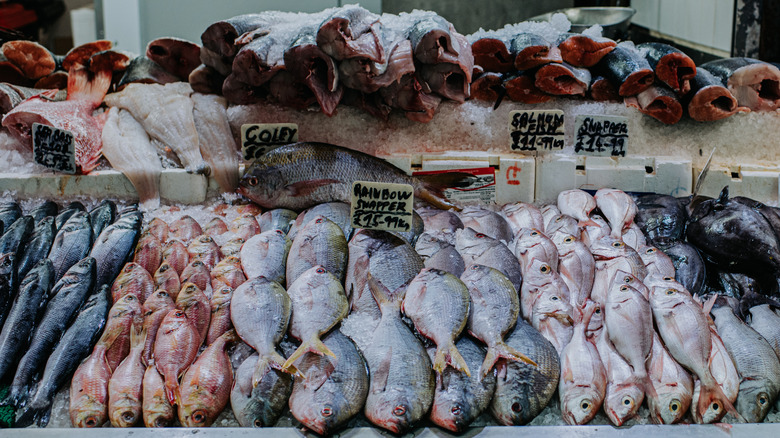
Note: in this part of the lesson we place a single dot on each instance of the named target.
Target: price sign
(382, 206)
(602, 136)
(53, 148)
(534, 131)
(259, 138)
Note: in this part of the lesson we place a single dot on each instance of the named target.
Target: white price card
(382, 206)
(601, 136)
(536, 131)
(259, 138)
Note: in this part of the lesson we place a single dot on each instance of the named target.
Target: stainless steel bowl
(614, 20)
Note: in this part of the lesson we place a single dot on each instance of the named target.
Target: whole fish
(185, 229)
(523, 390)
(763, 320)
(437, 251)
(494, 312)
(154, 310)
(68, 294)
(245, 226)
(623, 396)
(167, 279)
(387, 257)
(278, 178)
(196, 273)
(204, 248)
(553, 316)
(435, 219)
(318, 304)
(673, 386)
(205, 386)
(217, 144)
(577, 204)
(175, 255)
(72, 243)
(42, 210)
(89, 386)
(73, 347)
(618, 208)
(583, 382)
(277, 219)
(67, 212)
(156, 409)
(28, 305)
(134, 279)
(401, 379)
(758, 367)
(215, 227)
(175, 348)
(486, 222)
(220, 322)
(37, 247)
(266, 255)
(196, 307)
(320, 242)
(115, 245)
(438, 304)
(531, 244)
(148, 252)
(338, 212)
(522, 215)
(260, 310)
(10, 211)
(158, 228)
(459, 399)
(725, 373)
(124, 314)
(576, 267)
(479, 249)
(261, 405)
(102, 216)
(333, 390)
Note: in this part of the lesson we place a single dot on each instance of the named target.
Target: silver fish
(480, 249)
(486, 222)
(767, 324)
(338, 212)
(277, 219)
(576, 267)
(265, 255)
(623, 396)
(673, 386)
(438, 251)
(320, 242)
(261, 405)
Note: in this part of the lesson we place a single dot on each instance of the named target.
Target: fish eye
(674, 405)
(597, 311)
(456, 410)
(91, 422)
(128, 268)
(627, 401)
(544, 269)
(199, 416)
(554, 298)
(162, 293)
(762, 399)
(318, 221)
(129, 297)
(252, 181)
(474, 267)
(668, 278)
(568, 240)
(534, 233)
(715, 407)
(326, 411)
(517, 407)
(624, 288)
(258, 423)
(617, 244)
(627, 279)
(320, 271)
(480, 236)
(279, 232)
(670, 291)
(128, 416)
(559, 218)
(650, 251)
(585, 405)
(179, 313)
(399, 410)
(197, 263)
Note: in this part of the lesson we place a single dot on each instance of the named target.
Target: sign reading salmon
(382, 206)
(534, 131)
(603, 136)
(53, 148)
(259, 138)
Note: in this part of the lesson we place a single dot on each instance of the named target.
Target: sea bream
(266, 255)
(263, 404)
(673, 386)
(284, 177)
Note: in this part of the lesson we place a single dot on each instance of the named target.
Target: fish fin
(82, 87)
(138, 336)
(711, 392)
(172, 389)
(449, 355)
(313, 345)
(261, 369)
(383, 295)
(588, 223)
(432, 190)
(502, 350)
(500, 94)
(304, 188)
(108, 337)
(33, 414)
(379, 378)
(316, 377)
(707, 306)
(362, 264)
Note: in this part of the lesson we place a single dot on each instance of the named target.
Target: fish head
(262, 184)
(665, 292)
(562, 223)
(623, 403)
(159, 414)
(89, 414)
(124, 414)
(127, 305)
(451, 414)
(565, 242)
(470, 243)
(596, 323)
(670, 406)
(390, 410)
(580, 404)
(512, 408)
(323, 414)
(754, 400)
(608, 247)
(539, 273)
(549, 302)
(577, 203)
(196, 413)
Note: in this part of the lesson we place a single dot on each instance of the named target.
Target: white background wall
(705, 22)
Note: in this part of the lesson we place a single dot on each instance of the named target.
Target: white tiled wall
(705, 22)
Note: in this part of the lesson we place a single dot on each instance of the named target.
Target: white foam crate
(555, 173)
(515, 174)
(176, 185)
(756, 182)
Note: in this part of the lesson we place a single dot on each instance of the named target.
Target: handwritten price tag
(53, 148)
(259, 138)
(382, 206)
(602, 136)
(534, 131)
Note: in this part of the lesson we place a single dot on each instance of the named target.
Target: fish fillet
(217, 144)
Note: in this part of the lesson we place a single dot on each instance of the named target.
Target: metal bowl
(614, 20)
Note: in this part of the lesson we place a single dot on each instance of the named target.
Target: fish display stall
(154, 274)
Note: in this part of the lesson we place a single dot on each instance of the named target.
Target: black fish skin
(724, 68)
(9, 213)
(115, 245)
(16, 234)
(101, 217)
(8, 280)
(74, 346)
(143, 70)
(67, 296)
(661, 217)
(690, 269)
(26, 309)
(46, 208)
(38, 247)
(71, 244)
(620, 64)
(67, 212)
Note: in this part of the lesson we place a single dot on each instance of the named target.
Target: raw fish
(217, 144)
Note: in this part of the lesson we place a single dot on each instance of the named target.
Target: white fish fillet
(126, 146)
(165, 111)
(217, 144)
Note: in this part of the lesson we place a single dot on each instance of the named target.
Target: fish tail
(34, 414)
(383, 295)
(502, 350)
(712, 393)
(138, 336)
(313, 345)
(172, 390)
(432, 188)
(449, 355)
(84, 86)
(587, 223)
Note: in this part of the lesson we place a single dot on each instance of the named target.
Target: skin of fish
(320, 242)
(217, 144)
(134, 279)
(592, 233)
(220, 314)
(618, 208)
(633, 237)
(102, 216)
(16, 234)
(42, 210)
(196, 273)
(688, 265)
(656, 261)
(205, 387)
(440, 220)
(37, 247)
(196, 307)
(334, 390)
(318, 304)
(232, 247)
(767, 323)
(89, 389)
(71, 244)
(277, 219)
(725, 373)
(159, 229)
(228, 272)
(175, 348)
(532, 244)
(156, 409)
(154, 310)
(261, 405)
(66, 213)
(204, 248)
(260, 310)
(479, 249)
(752, 355)
(576, 268)
(673, 386)
(583, 382)
(124, 314)
(115, 245)
(9, 212)
(438, 303)
(523, 390)
(167, 279)
(437, 250)
(338, 212)
(523, 215)
(623, 396)
(401, 378)
(124, 386)
(266, 255)
(148, 252)
(486, 222)
(245, 226)
(540, 277)
(185, 229)
(417, 228)
(661, 217)
(577, 204)
(215, 227)
(553, 317)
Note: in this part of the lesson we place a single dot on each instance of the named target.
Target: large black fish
(661, 217)
(37, 247)
(690, 269)
(74, 346)
(67, 297)
(115, 246)
(72, 243)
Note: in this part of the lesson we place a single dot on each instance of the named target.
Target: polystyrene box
(756, 182)
(515, 174)
(555, 173)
